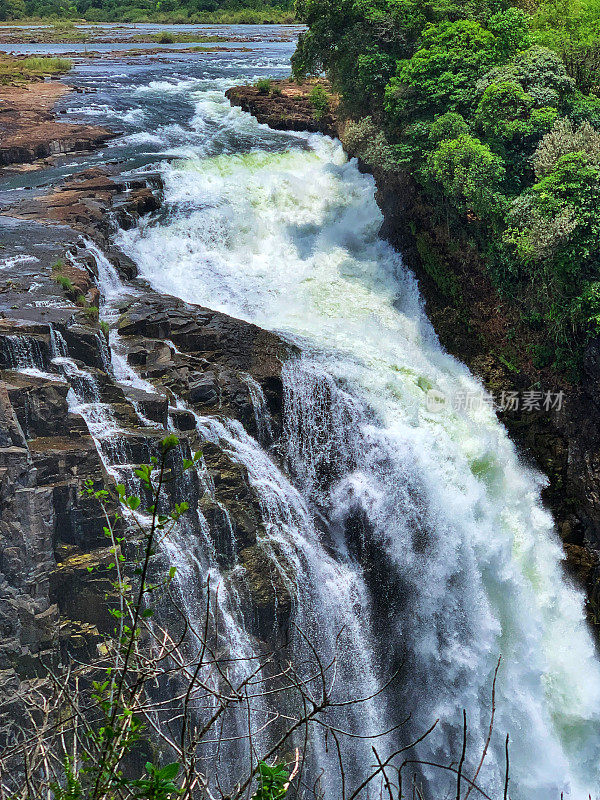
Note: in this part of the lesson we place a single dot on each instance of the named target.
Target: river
(456, 562)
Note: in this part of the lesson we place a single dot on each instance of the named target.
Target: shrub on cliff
(319, 100)
(564, 138)
(539, 71)
(443, 71)
(506, 112)
(554, 228)
(366, 140)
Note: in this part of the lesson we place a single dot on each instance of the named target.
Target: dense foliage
(227, 11)
(493, 108)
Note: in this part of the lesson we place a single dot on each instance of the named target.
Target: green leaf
(169, 771)
(169, 443)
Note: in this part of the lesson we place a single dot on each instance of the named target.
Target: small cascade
(104, 350)
(24, 353)
(108, 277)
(262, 416)
(85, 398)
(58, 345)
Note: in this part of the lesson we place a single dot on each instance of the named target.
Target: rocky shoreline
(29, 131)
(564, 443)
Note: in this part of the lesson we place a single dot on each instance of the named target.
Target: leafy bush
(469, 172)
(539, 71)
(91, 312)
(165, 38)
(511, 29)
(443, 72)
(319, 99)
(448, 126)
(263, 85)
(365, 140)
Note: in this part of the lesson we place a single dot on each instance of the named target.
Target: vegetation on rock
(22, 70)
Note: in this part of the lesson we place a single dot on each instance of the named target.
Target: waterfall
(262, 418)
(418, 529)
(23, 353)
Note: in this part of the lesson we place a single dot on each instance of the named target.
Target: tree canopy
(493, 108)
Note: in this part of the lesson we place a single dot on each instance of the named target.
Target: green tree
(442, 74)
(469, 173)
(506, 112)
(447, 126)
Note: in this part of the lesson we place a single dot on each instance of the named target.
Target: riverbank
(30, 131)
(59, 30)
(481, 329)
(90, 35)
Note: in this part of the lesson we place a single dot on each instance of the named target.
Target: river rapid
(456, 562)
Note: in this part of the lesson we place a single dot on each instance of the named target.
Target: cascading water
(292, 539)
(462, 564)
(24, 353)
(414, 529)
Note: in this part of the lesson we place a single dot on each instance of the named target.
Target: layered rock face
(65, 418)
(29, 131)
(287, 106)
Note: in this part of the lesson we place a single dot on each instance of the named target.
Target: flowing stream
(415, 530)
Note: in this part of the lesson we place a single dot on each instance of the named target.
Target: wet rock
(204, 390)
(287, 107)
(234, 509)
(582, 563)
(182, 420)
(154, 407)
(40, 404)
(82, 586)
(269, 589)
(211, 357)
(84, 345)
